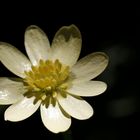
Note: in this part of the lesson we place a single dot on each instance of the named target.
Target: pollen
(46, 80)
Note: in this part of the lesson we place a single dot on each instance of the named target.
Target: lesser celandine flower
(51, 78)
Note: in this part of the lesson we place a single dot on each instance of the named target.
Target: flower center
(46, 80)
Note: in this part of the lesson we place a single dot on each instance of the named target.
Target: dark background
(108, 28)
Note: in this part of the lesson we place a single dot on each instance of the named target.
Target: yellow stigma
(46, 80)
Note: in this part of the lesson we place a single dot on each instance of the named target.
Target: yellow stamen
(45, 78)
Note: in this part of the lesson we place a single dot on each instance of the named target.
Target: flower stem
(67, 135)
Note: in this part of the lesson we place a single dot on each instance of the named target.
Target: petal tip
(105, 87)
(71, 30)
(5, 117)
(32, 27)
(103, 54)
(90, 115)
(104, 57)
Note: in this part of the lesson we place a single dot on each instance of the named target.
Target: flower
(51, 79)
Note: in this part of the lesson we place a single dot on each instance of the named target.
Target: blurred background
(108, 28)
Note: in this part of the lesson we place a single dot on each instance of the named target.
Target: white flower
(51, 80)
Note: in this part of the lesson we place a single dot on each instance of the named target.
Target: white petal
(13, 59)
(66, 45)
(54, 119)
(90, 88)
(10, 91)
(89, 67)
(21, 110)
(37, 44)
(77, 108)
